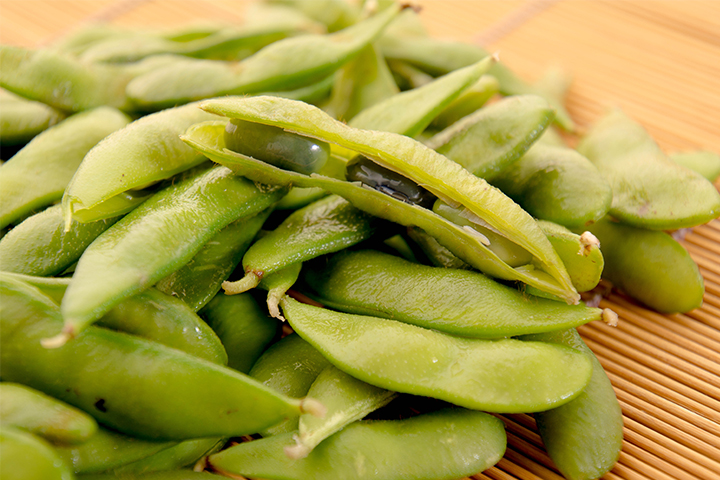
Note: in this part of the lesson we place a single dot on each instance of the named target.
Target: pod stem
(610, 317)
(248, 282)
(313, 407)
(273, 302)
(67, 333)
(297, 451)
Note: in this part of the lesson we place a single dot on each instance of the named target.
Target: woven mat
(657, 59)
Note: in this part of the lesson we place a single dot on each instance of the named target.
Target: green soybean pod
(583, 437)
(277, 284)
(168, 475)
(290, 366)
(144, 152)
(107, 450)
(197, 282)
(243, 327)
(284, 65)
(557, 184)
(38, 174)
(363, 82)
(482, 142)
(184, 454)
(650, 266)
(24, 456)
(23, 119)
(174, 395)
(27, 409)
(346, 399)
(704, 162)
(334, 14)
(449, 443)
(151, 242)
(408, 113)
(489, 375)
(649, 190)
(469, 102)
(331, 220)
(458, 302)
(41, 246)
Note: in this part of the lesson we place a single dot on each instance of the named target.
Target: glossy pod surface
(459, 302)
(650, 266)
(445, 444)
(22, 119)
(504, 376)
(26, 457)
(175, 395)
(583, 437)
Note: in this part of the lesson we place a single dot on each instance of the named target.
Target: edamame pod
(494, 137)
(361, 83)
(37, 175)
(22, 119)
(468, 102)
(650, 266)
(169, 475)
(583, 437)
(704, 162)
(243, 327)
(27, 409)
(197, 282)
(277, 284)
(503, 376)
(347, 400)
(458, 302)
(209, 201)
(649, 190)
(442, 177)
(557, 184)
(290, 366)
(41, 246)
(332, 220)
(335, 14)
(175, 395)
(408, 113)
(184, 454)
(284, 65)
(144, 152)
(150, 314)
(450, 443)
(24, 456)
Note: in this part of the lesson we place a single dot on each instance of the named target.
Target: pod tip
(249, 281)
(313, 407)
(610, 317)
(58, 340)
(587, 242)
(297, 451)
(273, 303)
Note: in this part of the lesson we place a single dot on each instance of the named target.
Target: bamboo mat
(657, 59)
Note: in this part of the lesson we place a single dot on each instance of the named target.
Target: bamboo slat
(659, 60)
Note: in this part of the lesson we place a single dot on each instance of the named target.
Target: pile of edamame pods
(321, 244)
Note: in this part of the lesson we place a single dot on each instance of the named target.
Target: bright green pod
(23, 119)
(243, 327)
(650, 266)
(37, 175)
(583, 437)
(36, 74)
(86, 35)
(557, 184)
(488, 375)
(494, 137)
(442, 177)
(197, 282)
(27, 409)
(361, 83)
(438, 255)
(284, 65)
(144, 152)
(439, 57)
(458, 302)
(169, 475)
(24, 456)
(649, 190)
(470, 101)
(450, 443)
(409, 113)
(346, 399)
(581, 254)
(41, 246)
(277, 284)
(152, 241)
(334, 14)
(704, 162)
(174, 395)
(407, 76)
(290, 366)
(327, 225)
(298, 198)
(107, 450)
(152, 315)
(184, 454)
